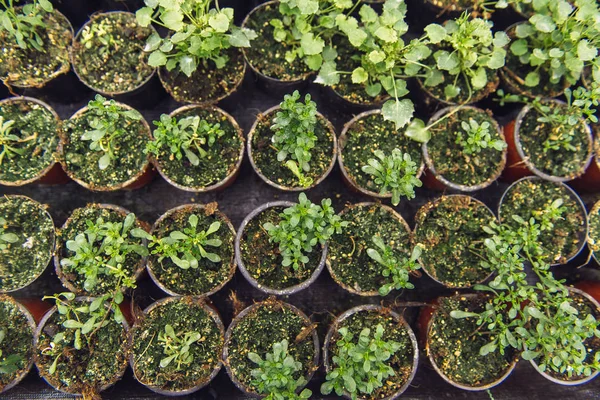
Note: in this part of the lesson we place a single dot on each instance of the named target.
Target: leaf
(417, 131)
(398, 111)
(144, 17)
(328, 75)
(479, 79)
(585, 51)
(532, 79)
(219, 22)
(157, 59)
(359, 75)
(187, 65)
(311, 45)
(519, 47)
(436, 33)
(46, 5)
(166, 361)
(104, 161)
(543, 23)
(72, 324)
(386, 34)
(488, 348)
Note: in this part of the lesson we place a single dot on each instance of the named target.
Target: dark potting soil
(368, 134)
(451, 232)
(108, 54)
(101, 360)
(23, 261)
(33, 68)
(347, 252)
(267, 55)
(262, 258)
(454, 344)
(78, 224)
(452, 5)
(401, 361)
(594, 230)
(531, 197)
(17, 341)
(129, 157)
(562, 162)
(448, 157)
(209, 275)
(269, 323)
(265, 154)
(37, 130)
(221, 158)
(185, 315)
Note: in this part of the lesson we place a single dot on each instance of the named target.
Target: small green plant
(189, 136)
(176, 347)
(199, 34)
(107, 119)
(274, 376)
(294, 137)
(395, 174)
(359, 367)
(186, 248)
(6, 238)
(10, 141)
(24, 25)
(9, 364)
(102, 249)
(394, 266)
(477, 137)
(302, 227)
(97, 35)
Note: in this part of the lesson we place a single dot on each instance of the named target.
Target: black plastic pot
(593, 242)
(77, 11)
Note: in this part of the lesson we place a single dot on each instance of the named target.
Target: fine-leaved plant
(24, 25)
(176, 347)
(97, 34)
(9, 142)
(6, 238)
(475, 137)
(396, 267)
(9, 363)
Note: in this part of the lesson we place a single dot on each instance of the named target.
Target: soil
(262, 258)
(560, 163)
(449, 159)
(594, 233)
(347, 252)
(23, 261)
(454, 344)
(265, 155)
(18, 339)
(185, 315)
(37, 127)
(209, 275)
(33, 68)
(453, 5)
(451, 231)
(366, 135)
(269, 323)
(113, 61)
(530, 197)
(220, 162)
(77, 224)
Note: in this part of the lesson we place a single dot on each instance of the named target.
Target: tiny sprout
(10, 142)
(476, 137)
(9, 364)
(176, 347)
(6, 238)
(24, 26)
(399, 268)
(395, 174)
(97, 32)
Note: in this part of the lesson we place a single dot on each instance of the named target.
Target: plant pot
(113, 62)
(209, 277)
(256, 329)
(263, 156)
(125, 5)
(36, 120)
(77, 11)
(457, 359)
(448, 228)
(71, 279)
(590, 305)
(396, 328)
(448, 162)
(593, 237)
(83, 378)
(592, 288)
(18, 326)
(259, 260)
(130, 168)
(347, 259)
(362, 135)
(25, 259)
(222, 163)
(590, 180)
(266, 57)
(526, 155)
(185, 315)
(530, 196)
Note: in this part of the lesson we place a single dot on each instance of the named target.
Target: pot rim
(375, 308)
(188, 209)
(395, 214)
(240, 262)
(456, 186)
(324, 176)
(215, 317)
(236, 320)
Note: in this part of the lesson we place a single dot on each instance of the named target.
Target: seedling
(107, 120)
(395, 174)
(6, 238)
(476, 137)
(176, 347)
(189, 136)
(98, 32)
(10, 141)
(294, 136)
(9, 364)
(24, 25)
(199, 34)
(302, 227)
(398, 267)
(274, 376)
(360, 367)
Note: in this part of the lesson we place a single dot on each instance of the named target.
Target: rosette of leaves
(466, 56)
(176, 347)
(396, 267)
(199, 34)
(24, 24)
(475, 137)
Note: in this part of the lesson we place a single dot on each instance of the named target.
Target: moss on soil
(18, 340)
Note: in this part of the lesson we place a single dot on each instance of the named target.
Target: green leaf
(417, 131)
(543, 23)
(585, 51)
(386, 34)
(219, 22)
(188, 65)
(398, 111)
(359, 75)
(157, 59)
(46, 5)
(104, 161)
(312, 45)
(144, 16)
(328, 75)
(72, 324)
(436, 33)
(532, 79)
(519, 47)
(479, 79)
